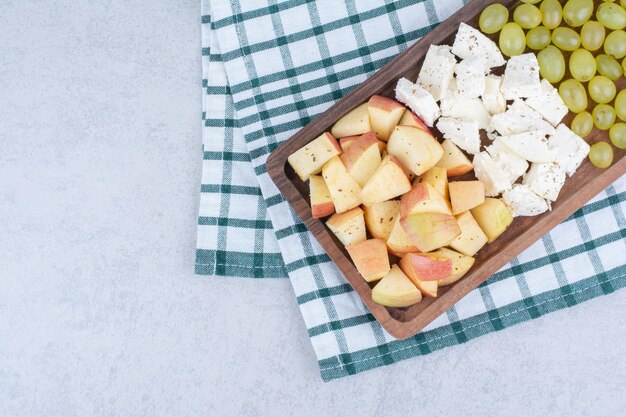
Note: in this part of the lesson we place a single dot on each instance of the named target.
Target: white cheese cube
(487, 171)
(549, 104)
(468, 109)
(419, 100)
(532, 146)
(470, 77)
(493, 99)
(519, 118)
(470, 42)
(523, 202)
(463, 134)
(512, 164)
(521, 77)
(545, 180)
(568, 149)
(437, 71)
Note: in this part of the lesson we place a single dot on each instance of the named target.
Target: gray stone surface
(100, 312)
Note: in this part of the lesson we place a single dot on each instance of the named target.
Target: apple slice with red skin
(411, 119)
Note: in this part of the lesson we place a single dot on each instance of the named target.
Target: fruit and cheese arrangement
(415, 185)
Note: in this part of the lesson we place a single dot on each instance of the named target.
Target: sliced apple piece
(411, 119)
(460, 265)
(343, 188)
(321, 201)
(493, 217)
(398, 242)
(454, 160)
(472, 238)
(385, 113)
(387, 182)
(438, 178)
(430, 231)
(380, 218)
(345, 143)
(465, 195)
(396, 290)
(417, 150)
(355, 122)
(349, 227)
(423, 198)
(362, 158)
(370, 258)
(310, 159)
(425, 267)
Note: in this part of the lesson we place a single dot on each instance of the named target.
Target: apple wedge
(355, 122)
(465, 195)
(417, 150)
(423, 198)
(454, 160)
(370, 258)
(438, 178)
(493, 217)
(380, 218)
(311, 158)
(349, 227)
(472, 238)
(430, 231)
(385, 113)
(396, 290)
(416, 267)
(411, 119)
(321, 201)
(345, 143)
(343, 188)
(387, 182)
(362, 158)
(460, 265)
(398, 242)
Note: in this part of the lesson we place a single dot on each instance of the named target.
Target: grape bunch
(593, 50)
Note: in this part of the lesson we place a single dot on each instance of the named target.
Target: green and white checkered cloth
(271, 67)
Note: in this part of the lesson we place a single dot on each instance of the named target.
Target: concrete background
(100, 312)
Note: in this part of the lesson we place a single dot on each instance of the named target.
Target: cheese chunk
(545, 180)
(470, 77)
(519, 118)
(419, 100)
(468, 109)
(437, 71)
(568, 149)
(521, 77)
(548, 104)
(524, 202)
(512, 164)
(493, 99)
(470, 42)
(532, 146)
(495, 179)
(463, 134)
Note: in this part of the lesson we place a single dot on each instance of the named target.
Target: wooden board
(405, 322)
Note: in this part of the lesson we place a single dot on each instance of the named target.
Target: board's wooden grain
(402, 323)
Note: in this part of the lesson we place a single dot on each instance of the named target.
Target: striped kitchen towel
(269, 68)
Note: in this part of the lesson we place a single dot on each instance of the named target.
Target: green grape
(538, 38)
(615, 44)
(601, 89)
(620, 105)
(624, 65)
(551, 64)
(493, 18)
(574, 95)
(531, 1)
(582, 65)
(577, 12)
(551, 13)
(582, 124)
(566, 39)
(611, 15)
(512, 40)
(601, 154)
(617, 134)
(592, 35)
(622, 3)
(609, 67)
(603, 116)
(527, 16)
